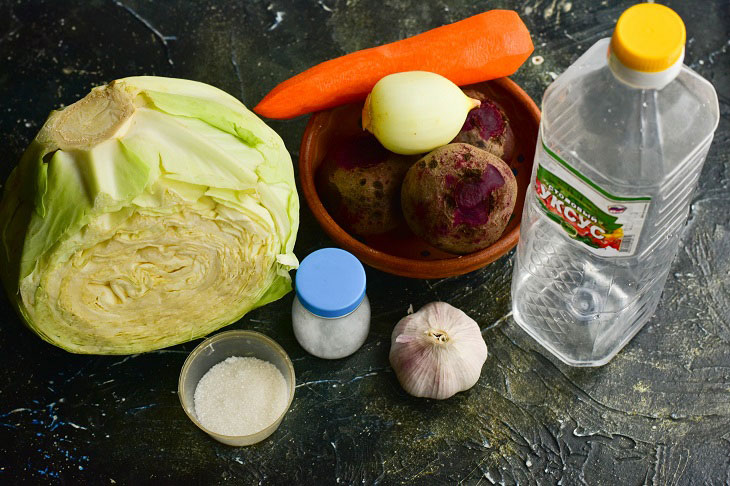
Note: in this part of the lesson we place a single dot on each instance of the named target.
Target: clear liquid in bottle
(618, 157)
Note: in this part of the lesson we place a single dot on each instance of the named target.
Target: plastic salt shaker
(331, 313)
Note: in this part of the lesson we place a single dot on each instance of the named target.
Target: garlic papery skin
(437, 352)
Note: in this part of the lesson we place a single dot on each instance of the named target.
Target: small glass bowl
(220, 347)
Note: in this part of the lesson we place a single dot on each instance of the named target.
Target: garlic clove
(437, 351)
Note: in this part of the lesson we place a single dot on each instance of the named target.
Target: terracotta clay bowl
(399, 251)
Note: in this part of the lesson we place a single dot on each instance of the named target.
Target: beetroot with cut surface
(459, 198)
(359, 183)
(487, 127)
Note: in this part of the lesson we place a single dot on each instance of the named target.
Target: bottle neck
(642, 79)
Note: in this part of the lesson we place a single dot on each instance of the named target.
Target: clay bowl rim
(405, 267)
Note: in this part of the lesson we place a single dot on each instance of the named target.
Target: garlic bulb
(416, 111)
(437, 352)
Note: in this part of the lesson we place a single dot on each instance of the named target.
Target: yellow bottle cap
(648, 37)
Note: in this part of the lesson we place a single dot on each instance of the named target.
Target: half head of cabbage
(149, 213)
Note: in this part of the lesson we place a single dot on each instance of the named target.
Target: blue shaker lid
(330, 282)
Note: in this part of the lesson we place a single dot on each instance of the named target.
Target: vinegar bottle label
(606, 224)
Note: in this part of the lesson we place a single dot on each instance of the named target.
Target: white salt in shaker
(331, 313)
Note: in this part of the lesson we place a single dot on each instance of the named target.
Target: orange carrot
(486, 46)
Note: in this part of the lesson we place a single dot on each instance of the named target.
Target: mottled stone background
(659, 413)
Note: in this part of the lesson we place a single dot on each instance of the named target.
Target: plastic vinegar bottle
(623, 137)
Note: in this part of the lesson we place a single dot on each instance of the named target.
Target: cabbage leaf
(149, 213)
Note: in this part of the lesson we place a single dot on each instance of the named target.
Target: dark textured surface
(659, 413)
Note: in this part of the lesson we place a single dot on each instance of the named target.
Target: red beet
(459, 198)
(359, 182)
(487, 127)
